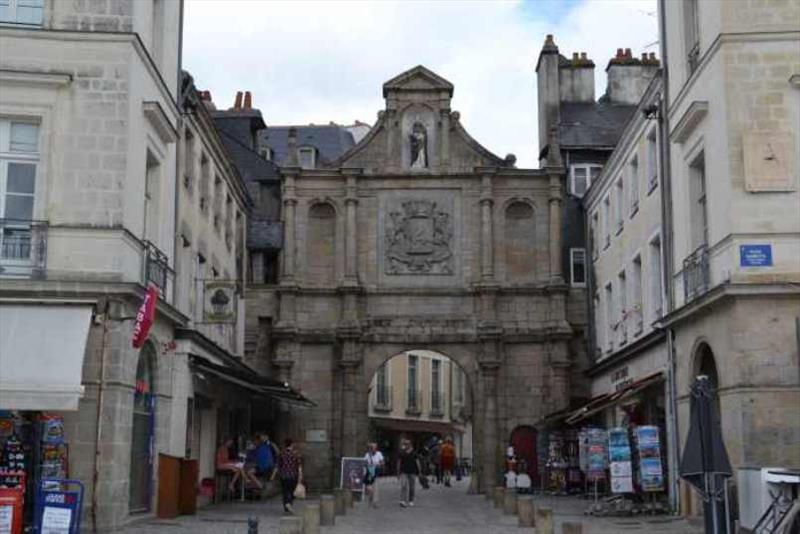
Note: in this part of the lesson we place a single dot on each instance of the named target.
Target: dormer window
(307, 157)
(267, 153)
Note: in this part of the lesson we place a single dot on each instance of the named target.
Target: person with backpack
(375, 462)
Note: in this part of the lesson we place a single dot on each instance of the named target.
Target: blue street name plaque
(755, 255)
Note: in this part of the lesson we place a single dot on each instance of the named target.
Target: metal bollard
(499, 492)
(311, 518)
(510, 502)
(525, 511)
(571, 528)
(290, 525)
(327, 510)
(544, 521)
(341, 508)
(252, 525)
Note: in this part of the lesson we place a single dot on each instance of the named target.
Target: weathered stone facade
(419, 238)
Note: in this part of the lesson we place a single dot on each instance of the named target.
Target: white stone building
(733, 109)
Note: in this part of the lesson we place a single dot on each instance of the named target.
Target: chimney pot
(248, 100)
(237, 105)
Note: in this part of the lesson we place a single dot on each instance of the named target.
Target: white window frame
(572, 253)
(587, 167)
(307, 149)
(619, 203)
(13, 6)
(608, 291)
(622, 306)
(606, 222)
(656, 286)
(593, 231)
(652, 160)
(633, 185)
(267, 153)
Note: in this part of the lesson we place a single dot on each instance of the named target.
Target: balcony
(437, 403)
(696, 274)
(23, 248)
(383, 399)
(156, 267)
(414, 402)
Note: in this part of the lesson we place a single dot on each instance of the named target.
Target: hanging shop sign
(651, 474)
(619, 457)
(145, 317)
(219, 301)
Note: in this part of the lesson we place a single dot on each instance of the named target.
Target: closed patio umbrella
(705, 462)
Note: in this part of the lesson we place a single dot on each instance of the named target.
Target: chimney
(237, 105)
(629, 76)
(576, 79)
(547, 83)
(248, 100)
(291, 159)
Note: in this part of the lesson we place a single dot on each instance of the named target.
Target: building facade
(733, 109)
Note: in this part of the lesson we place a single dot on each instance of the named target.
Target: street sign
(755, 255)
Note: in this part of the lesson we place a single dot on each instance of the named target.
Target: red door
(523, 439)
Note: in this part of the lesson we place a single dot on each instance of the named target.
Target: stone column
(489, 372)
(555, 229)
(487, 243)
(349, 368)
(351, 233)
(289, 228)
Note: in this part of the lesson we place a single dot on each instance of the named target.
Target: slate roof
(597, 125)
(331, 141)
(251, 165)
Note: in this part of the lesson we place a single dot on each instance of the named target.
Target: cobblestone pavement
(439, 510)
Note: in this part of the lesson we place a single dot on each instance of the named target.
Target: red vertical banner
(145, 317)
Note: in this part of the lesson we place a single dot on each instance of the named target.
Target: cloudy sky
(315, 62)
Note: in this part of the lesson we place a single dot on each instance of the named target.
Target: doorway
(141, 468)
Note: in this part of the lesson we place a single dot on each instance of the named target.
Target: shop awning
(606, 400)
(415, 425)
(251, 381)
(41, 355)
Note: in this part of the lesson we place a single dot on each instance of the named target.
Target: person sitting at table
(225, 464)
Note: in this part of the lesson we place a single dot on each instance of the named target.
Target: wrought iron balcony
(414, 404)
(23, 248)
(383, 399)
(696, 274)
(156, 266)
(437, 403)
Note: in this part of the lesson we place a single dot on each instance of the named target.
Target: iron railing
(156, 266)
(383, 398)
(23, 247)
(437, 403)
(414, 401)
(696, 274)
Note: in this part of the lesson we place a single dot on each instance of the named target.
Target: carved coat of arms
(419, 239)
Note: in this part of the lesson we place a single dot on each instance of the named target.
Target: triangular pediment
(417, 79)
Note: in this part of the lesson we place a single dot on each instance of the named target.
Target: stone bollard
(525, 511)
(571, 528)
(341, 508)
(348, 499)
(311, 518)
(291, 525)
(327, 510)
(499, 493)
(510, 502)
(544, 521)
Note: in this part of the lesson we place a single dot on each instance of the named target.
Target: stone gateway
(420, 238)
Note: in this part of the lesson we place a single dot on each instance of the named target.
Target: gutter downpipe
(99, 418)
(666, 263)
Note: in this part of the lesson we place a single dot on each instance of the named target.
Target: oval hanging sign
(144, 317)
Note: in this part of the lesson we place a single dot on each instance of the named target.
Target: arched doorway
(424, 396)
(141, 469)
(706, 365)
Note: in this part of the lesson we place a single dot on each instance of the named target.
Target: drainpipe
(99, 418)
(666, 262)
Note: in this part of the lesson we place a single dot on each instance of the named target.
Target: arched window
(141, 468)
(321, 244)
(520, 240)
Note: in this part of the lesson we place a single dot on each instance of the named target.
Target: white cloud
(316, 62)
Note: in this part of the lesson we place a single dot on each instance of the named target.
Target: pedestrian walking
(375, 462)
(436, 452)
(447, 460)
(409, 469)
(290, 470)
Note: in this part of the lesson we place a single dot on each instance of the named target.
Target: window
(267, 153)
(413, 391)
(459, 387)
(205, 181)
(593, 233)
(619, 201)
(655, 279)
(188, 159)
(633, 169)
(622, 312)
(577, 270)
(151, 198)
(382, 386)
(21, 12)
(307, 157)
(652, 161)
(437, 406)
(610, 326)
(636, 295)
(698, 209)
(19, 157)
(691, 27)
(598, 326)
(582, 176)
(606, 222)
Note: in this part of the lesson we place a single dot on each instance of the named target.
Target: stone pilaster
(489, 375)
(351, 233)
(487, 229)
(350, 366)
(289, 228)
(556, 275)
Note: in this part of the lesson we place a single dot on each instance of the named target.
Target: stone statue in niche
(419, 239)
(419, 146)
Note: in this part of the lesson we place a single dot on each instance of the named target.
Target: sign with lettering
(57, 507)
(755, 255)
(144, 317)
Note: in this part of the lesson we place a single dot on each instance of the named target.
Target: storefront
(40, 380)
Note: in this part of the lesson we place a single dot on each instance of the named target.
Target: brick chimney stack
(629, 76)
(237, 105)
(248, 100)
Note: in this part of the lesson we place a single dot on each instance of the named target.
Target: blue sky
(307, 61)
